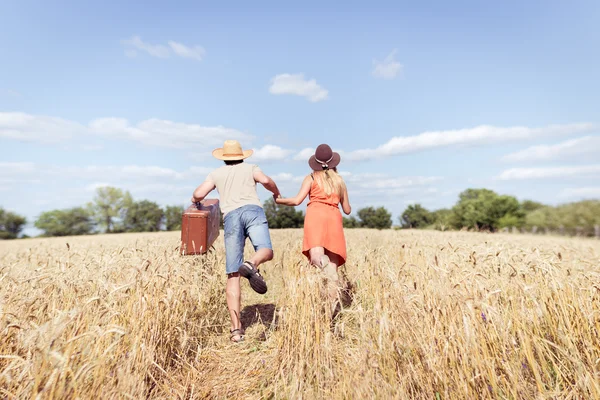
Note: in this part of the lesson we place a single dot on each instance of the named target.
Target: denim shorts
(244, 222)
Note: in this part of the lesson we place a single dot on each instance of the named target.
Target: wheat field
(427, 315)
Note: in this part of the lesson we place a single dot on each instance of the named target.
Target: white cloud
(135, 44)
(304, 154)
(15, 168)
(297, 85)
(164, 133)
(12, 173)
(388, 68)
(197, 172)
(582, 193)
(196, 52)
(157, 190)
(381, 186)
(153, 132)
(480, 135)
(550, 172)
(270, 153)
(155, 50)
(283, 176)
(40, 128)
(138, 173)
(92, 187)
(384, 182)
(10, 93)
(584, 146)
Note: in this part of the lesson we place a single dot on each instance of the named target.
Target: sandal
(257, 282)
(236, 333)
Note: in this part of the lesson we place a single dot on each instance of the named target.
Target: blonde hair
(331, 182)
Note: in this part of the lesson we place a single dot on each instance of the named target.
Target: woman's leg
(333, 281)
(316, 253)
(334, 263)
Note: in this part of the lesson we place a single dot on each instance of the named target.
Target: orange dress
(323, 223)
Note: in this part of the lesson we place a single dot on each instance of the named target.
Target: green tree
(416, 216)
(69, 222)
(173, 217)
(482, 209)
(143, 216)
(442, 218)
(376, 218)
(543, 218)
(530, 206)
(571, 218)
(11, 224)
(109, 206)
(350, 222)
(281, 217)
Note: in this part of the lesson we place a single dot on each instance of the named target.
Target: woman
(324, 242)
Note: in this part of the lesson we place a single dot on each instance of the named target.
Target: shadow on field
(259, 314)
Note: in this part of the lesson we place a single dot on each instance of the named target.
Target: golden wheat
(426, 315)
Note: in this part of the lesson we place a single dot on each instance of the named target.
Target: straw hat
(231, 151)
(324, 158)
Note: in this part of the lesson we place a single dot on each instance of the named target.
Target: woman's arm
(346, 203)
(294, 201)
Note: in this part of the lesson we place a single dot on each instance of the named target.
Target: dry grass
(433, 315)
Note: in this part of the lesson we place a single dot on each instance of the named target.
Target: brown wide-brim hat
(231, 151)
(324, 158)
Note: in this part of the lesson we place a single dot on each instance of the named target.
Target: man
(243, 217)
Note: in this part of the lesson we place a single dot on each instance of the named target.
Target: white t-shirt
(236, 186)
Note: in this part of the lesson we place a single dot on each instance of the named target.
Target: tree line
(283, 217)
(113, 210)
(485, 210)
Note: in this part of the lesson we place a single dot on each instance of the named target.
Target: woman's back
(318, 195)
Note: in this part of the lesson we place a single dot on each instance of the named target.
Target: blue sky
(423, 99)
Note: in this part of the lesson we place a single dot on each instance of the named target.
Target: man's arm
(267, 182)
(202, 191)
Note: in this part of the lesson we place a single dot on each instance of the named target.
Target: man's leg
(261, 256)
(234, 252)
(234, 299)
(257, 229)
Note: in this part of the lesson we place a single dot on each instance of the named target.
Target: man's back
(236, 186)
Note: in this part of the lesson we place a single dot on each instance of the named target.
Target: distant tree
(572, 218)
(376, 218)
(529, 206)
(350, 222)
(281, 217)
(442, 219)
(509, 221)
(11, 224)
(69, 222)
(416, 216)
(483, 208)
(143, 216)
(109, 206)
(173, 218)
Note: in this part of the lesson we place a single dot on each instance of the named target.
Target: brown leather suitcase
(200, 227)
